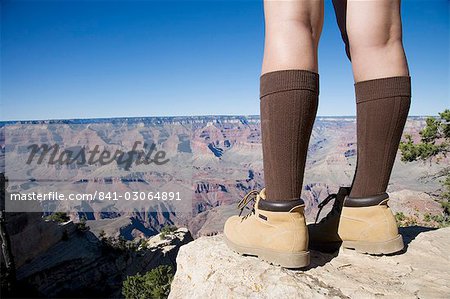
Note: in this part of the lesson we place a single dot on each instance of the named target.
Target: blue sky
(88, 59)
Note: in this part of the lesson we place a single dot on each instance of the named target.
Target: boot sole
(292, 260)
(387, 247)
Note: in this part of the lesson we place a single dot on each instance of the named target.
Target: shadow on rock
(322, 256)
(409, 233)
(319, 259)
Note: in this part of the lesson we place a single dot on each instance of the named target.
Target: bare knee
(293, 31)
(294, 20)
(380, 39)
(378, 55)
(377, 49)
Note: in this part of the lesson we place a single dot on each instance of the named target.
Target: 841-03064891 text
(139, 195)
(101, 196)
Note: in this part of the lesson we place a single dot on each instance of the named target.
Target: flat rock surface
(208, 269)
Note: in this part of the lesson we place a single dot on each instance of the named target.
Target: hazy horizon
(178, 116)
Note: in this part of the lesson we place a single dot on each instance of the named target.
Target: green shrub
(153, 284)
(400, 217)
(81, 226)
(404, 220)
(434, 145)
(142, 244)
(59, 217)
(102, 236)
(168, 230)
(440, 220)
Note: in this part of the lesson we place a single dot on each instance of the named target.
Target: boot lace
(336, 206)
(243, 204)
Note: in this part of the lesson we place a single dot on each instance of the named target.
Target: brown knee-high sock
(382, 109)
(289, 101)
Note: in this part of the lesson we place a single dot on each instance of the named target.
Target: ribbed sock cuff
(383, 88)
(285, 80)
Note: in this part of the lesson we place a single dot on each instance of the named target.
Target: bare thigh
(292, 34)
(374, 31)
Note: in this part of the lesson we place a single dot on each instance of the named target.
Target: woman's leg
(289, 92)
(383, 90)
(276, 230)
(293, 29)
(374, 30)
(361, 220)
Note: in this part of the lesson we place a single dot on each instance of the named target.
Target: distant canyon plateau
(213, 162)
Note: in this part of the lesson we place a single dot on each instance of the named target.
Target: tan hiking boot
(365, 224)
(274, 231)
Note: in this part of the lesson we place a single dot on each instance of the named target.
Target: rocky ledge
(208, 269)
